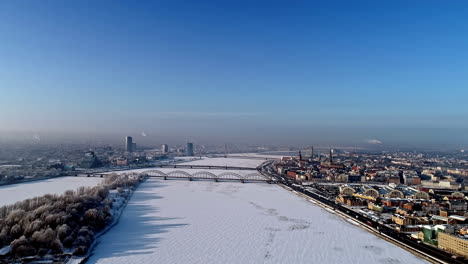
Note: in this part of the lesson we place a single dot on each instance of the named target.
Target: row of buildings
(352, 168)
(130, 146)
(440, 220)
(420, 195)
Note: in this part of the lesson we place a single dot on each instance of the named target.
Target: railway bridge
(206, 175)
(209, 167)
(253, 176)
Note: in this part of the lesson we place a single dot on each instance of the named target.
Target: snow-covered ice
(257, 155)
(208, 222)
(235, 162)
(10, 194)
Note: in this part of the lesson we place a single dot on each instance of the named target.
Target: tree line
(51, 223)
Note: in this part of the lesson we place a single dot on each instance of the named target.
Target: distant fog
(261, 134)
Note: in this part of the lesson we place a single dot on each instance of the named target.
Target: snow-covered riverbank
(120, 201)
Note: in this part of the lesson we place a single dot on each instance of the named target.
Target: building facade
(453, 244)
(128, 144)
(164, 148)
(189, 149)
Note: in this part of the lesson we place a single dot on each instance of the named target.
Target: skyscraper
(164, 148)
(128, 144)
(189, 149)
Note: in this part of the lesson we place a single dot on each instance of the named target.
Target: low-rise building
(401, 220)
(409, 220)
(457, 245)
(409, 228)
(431, 208)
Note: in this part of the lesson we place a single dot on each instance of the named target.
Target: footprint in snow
(389, 261)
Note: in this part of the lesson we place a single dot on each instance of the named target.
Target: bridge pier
(165, 178)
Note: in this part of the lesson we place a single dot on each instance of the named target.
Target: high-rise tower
(128, 144)
(189, 149)
(164, 148)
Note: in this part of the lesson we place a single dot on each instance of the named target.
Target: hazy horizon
(360, 73)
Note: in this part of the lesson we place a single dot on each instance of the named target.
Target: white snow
(235, 162)
(208, 222)
(256, 155)
(10, 194)
(120, 200)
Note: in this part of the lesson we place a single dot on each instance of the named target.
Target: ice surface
(235, 162)
(179, 221)
(10, 194)
(257, 155)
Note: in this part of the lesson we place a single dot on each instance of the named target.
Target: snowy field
(10, 194)
(257, 155)
(207, 222)
(235, 162)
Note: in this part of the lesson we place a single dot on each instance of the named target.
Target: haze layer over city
(233, 132)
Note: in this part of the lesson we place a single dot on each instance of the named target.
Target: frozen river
(235, 162)
(209, 222)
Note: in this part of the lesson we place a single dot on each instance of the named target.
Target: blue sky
(333, 70)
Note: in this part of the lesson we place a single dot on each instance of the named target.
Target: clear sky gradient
(304, 71)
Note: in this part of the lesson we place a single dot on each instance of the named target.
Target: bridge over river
(206, 175)
(187, 166)
(177, 173)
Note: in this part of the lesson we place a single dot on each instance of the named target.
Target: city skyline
(332, 72)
